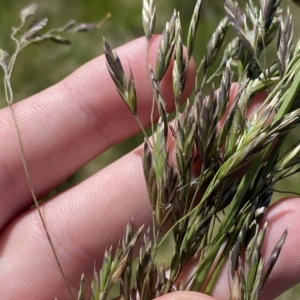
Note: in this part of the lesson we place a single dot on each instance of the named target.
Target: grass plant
(226, 163)
(193, 202)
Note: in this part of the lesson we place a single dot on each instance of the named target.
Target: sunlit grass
(57, 62)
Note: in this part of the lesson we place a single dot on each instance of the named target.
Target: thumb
(185, 296)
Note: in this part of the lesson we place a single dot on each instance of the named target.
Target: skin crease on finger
(57, 143)
(86, 219)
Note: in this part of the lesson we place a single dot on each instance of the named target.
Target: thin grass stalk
(22, 38)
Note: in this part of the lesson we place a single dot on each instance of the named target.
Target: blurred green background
(40, 66)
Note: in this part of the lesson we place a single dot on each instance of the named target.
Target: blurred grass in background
(40, 66)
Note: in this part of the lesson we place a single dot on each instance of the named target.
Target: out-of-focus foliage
(42, 65)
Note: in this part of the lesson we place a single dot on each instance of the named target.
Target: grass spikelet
(236, 18)
(148, 17)
(207, 112)
(179, 65)
(215, 43)
(223, 94)
(149, 174)
(81, 293)
(125, 87)
(166, 47)
(28, 11)
(160, 102)
(34, 29)
(273, 258)
(268, 8)
(284, 52)
(185, 135)
(193, 29)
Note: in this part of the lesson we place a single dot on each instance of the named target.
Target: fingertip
(185, 295)
(257, 101)
(284, 214)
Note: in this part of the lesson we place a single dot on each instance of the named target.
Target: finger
(254, 106)
(67, 125)
(282, 215)
(185, 296)
(83, 222)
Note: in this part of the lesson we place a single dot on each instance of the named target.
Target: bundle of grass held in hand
(209, 198)
(217, 189)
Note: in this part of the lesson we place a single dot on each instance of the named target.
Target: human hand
(62, 129)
